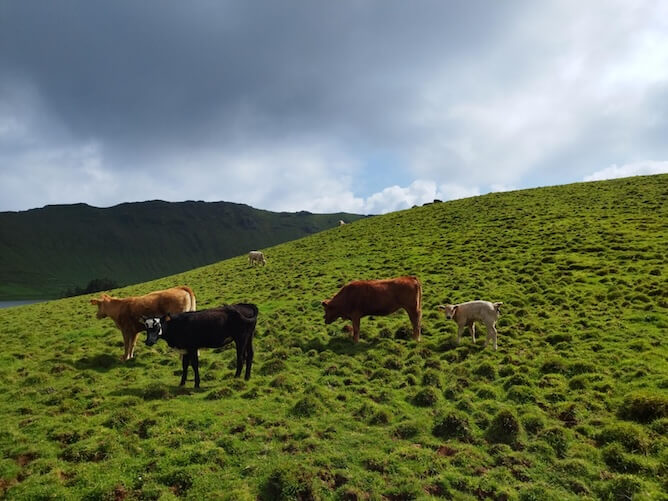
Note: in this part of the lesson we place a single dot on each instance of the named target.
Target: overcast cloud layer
(362, 106)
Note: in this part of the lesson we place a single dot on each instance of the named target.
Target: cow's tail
(193, 301)
(419, 303)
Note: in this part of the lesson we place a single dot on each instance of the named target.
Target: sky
(364, 106)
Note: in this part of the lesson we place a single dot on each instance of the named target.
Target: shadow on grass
(346, 346)
(104, 362)
(156, 391)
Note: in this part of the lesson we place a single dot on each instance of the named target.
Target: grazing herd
(171, 315)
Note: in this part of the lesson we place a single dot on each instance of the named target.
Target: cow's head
(330, 312)
(101, 304)
(448, 309)
(154, 328)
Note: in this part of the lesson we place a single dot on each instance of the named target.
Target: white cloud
(497, 188)
(395, 197)
(455, 192)
(570, 84)
(628, 170)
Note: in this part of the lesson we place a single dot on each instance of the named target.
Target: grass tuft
(644, 407)
(505, 428)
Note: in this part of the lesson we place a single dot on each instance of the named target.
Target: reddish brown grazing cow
(376, 297)
(127, 312)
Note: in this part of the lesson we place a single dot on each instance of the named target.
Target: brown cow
(127, 312)
(376, 297)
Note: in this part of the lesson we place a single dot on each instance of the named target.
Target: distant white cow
(256, 257)
(342, 222)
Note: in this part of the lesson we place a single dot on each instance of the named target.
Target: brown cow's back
(378, 297)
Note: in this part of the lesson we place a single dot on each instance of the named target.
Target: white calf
(466, 314)
(256, 257)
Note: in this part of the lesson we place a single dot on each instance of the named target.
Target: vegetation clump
(557, 438)
(274, 366)
(289, 481)
(644, 407)
(426, 397)
(486, 370)
(631, 436)
(306, 406)
(406, 430)
(432, 377)
(453, 425)
(505, 428)
(619, 461)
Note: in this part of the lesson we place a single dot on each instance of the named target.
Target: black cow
(212, 328)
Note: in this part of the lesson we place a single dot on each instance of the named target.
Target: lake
(10, 304)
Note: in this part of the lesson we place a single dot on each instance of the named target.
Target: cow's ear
(167, 317)
(143, 319)
(106, 297)
(94, 301)
(324, 302)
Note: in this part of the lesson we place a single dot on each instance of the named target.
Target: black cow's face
(153, 330)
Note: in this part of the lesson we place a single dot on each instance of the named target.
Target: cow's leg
(356, 328)
(194, 361)
(185, 361)
(460, 331)
(491, 329)
(415, 317)
(489, 336)
(472, 329)
(126, 346)
(249, 357)
(133, 343)
(240, 357)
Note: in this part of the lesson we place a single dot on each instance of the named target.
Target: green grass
(573, 405)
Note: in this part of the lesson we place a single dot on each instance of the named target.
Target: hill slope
(573, 405)
(46, 251)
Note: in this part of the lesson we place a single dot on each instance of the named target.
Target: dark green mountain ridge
(46, 251)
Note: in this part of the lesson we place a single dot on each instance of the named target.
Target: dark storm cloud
(143, 72)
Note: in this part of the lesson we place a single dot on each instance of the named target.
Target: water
(22, 302)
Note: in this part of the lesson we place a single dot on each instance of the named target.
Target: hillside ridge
(48, 250)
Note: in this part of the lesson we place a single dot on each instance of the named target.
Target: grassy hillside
(47, 251)
(573, 405)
